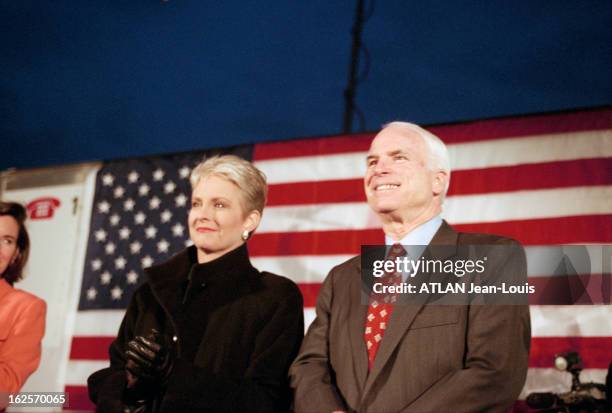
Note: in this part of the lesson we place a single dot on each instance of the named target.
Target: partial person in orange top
(22, 315)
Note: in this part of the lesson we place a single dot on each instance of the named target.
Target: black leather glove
(148, 361)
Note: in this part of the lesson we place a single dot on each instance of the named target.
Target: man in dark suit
(412, 358)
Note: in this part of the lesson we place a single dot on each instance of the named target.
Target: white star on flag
(184, 172)
(139, 218)
(133, 177)
(135, 247)
(116, 293)
(147, 261)
(120, 263)
(119, 192)
(143, 190)
(180, 200)
(91, 293)
(151, 232)
(124, 233)
(128, 205)
(132, 277)
(105, 278)
(104, 207)
(114, 219)
(162, 246)
(100, 235)
(96, 264)
(110, 248)
(169, 187)
(166, 216)
(158, 175)
(178, 230)
(108, 179)
(154, 203)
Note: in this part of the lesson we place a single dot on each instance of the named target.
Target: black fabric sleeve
(264, 387)
(107, 386)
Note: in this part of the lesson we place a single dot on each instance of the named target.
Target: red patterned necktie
(381, 308)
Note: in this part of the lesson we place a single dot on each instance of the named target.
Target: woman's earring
(245, 235)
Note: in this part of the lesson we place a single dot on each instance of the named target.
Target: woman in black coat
(208, 332)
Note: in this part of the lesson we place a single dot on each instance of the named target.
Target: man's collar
(421, 235)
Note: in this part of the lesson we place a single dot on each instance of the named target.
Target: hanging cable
(357, 48)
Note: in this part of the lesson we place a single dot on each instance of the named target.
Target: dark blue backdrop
(83, 80)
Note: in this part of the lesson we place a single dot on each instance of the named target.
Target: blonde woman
(207, 331)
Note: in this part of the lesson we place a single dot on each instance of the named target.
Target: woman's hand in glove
(148, 360)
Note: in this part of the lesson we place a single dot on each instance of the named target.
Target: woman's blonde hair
(240, 172)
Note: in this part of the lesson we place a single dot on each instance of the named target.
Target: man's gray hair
(240, 172)
(438, 158)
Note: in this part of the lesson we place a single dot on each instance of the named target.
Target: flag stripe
(465, 209)
(564, 230)
(473, 155)
(582, 172)
(594, 351)
(546, 321)
(78, 399)
(307, 269)
(90, 348)
(561, 230)
(466, 132)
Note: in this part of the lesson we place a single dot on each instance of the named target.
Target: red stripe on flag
(524, 126)
(90, 348)
(594, 351)
(313, 146)
(336, 242)
(583, 172)
(316, 192)
(78, 399)
(544, 231)
(563, 230)
(310, 292)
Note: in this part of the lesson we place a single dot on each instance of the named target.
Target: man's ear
(439, 182)
(252, 220)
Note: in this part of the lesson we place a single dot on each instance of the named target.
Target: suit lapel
(356, 325)
(404, 315)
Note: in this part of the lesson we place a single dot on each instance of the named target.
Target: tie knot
(397, 250)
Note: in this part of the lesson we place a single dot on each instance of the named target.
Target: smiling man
(368, 356)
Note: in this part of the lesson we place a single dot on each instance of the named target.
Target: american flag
(542, 180)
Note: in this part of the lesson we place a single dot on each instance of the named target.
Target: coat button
(174, 338)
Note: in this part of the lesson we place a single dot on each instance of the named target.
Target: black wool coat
(253, 328)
